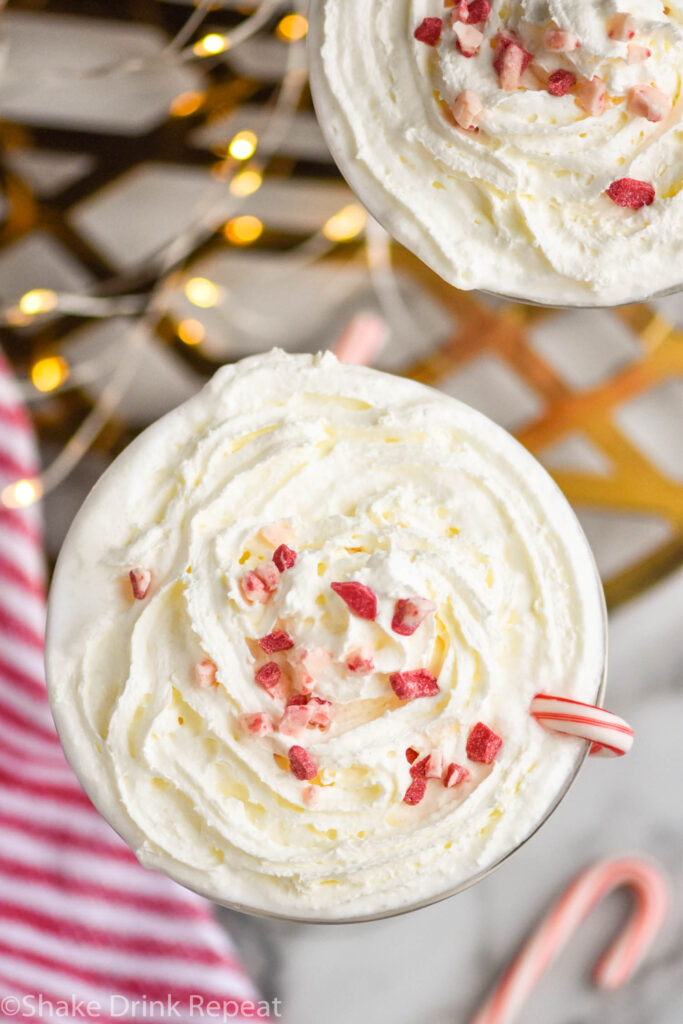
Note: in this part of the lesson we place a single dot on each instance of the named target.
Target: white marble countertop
(436, 964)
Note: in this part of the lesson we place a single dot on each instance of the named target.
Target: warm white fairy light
(243, 145)
(22, 493)
(38, 300)
(202, 292)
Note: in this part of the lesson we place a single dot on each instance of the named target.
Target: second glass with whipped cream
(532, 148)
(295, 632)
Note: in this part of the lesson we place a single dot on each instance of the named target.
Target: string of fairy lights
(244, 162)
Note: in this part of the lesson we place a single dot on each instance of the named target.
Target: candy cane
(618, 962)
(361, 339)
(609, 735)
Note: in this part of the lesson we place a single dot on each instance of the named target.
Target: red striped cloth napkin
(81, 922)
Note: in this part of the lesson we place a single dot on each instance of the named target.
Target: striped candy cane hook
(616, 965)
(609, 735)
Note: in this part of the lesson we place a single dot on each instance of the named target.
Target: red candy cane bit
(648, 102)
(637, 54)
(558, 41)
(295, 719)
(284, 557)
(269, 675)
(298, 699)
(561, 82)
(205, 674)
(257, 724)
(278, 640)
(301, 764)
(415, 792)
(483, 744)
(360, 600)
(429, 31)
(409, 613)
(258, 585)
(359, 660)
(510, 61)
(616, 965)
(454, 775)
(621, 27)
(631, 193)
(321, 712)
(140, 582)
(419, 682)
(592, 96)
(418, 770)
(474, 12)
(412, 755)
(608, 734)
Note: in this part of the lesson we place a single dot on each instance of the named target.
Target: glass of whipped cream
(532, 149)
(294, 633)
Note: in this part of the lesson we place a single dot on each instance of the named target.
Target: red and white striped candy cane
(609, 735)
(361, 339)
(618, 962)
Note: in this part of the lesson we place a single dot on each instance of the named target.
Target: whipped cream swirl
(382, 481)
(519, 205)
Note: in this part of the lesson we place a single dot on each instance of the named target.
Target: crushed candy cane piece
(561, 82)
(417, 683)
(258, 585)
(140, 582)
(418, 769)
(412, 755)
(621, 27)
(510, 61)
(308, 665)
(468, 39)
(649, 102)
(268, 675)
(205, 673)
(295, 719)
(359, 599)
(454, 775)
(409, 613)
(474, 12)
(278, 640)
(592, 96)
(284, 557)
(360, 661)
(429, 31)
(298, 698)
(636, 54)
(483, 744)
(277, 534)
(631, 192)
(321, 712)
(415, 792)
(434, 765)
(301, 764)
(558, 41)
(467, 109)
(258, 724)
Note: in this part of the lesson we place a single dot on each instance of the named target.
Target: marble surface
(437, 964)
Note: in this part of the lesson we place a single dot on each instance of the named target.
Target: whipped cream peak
(495, 167)
(352, 735)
